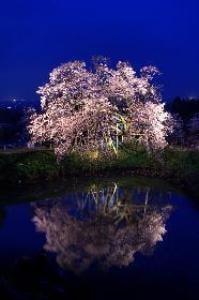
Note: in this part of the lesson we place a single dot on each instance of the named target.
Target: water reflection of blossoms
(103, 226)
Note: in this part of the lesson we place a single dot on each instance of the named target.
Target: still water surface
(122, 238)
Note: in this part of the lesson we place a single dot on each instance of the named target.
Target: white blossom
(86, 109)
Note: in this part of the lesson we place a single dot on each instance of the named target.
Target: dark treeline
(13, 121)
(186, 115)
(185, 108)
(12, 124)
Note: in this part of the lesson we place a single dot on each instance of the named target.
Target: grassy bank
(177, 166)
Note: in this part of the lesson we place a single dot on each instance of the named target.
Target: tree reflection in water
(103, 226)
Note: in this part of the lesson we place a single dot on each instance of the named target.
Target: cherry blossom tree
(86, 109)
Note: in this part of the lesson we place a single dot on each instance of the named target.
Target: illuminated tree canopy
(100, 108)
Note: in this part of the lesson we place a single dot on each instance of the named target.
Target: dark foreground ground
(23, 166)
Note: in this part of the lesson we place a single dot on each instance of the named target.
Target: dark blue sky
(38, 35)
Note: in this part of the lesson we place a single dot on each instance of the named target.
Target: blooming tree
(150, 123)
(98, 109)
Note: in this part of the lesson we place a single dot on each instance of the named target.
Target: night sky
(38, 35)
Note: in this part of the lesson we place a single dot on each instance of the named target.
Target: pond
(110, 238)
